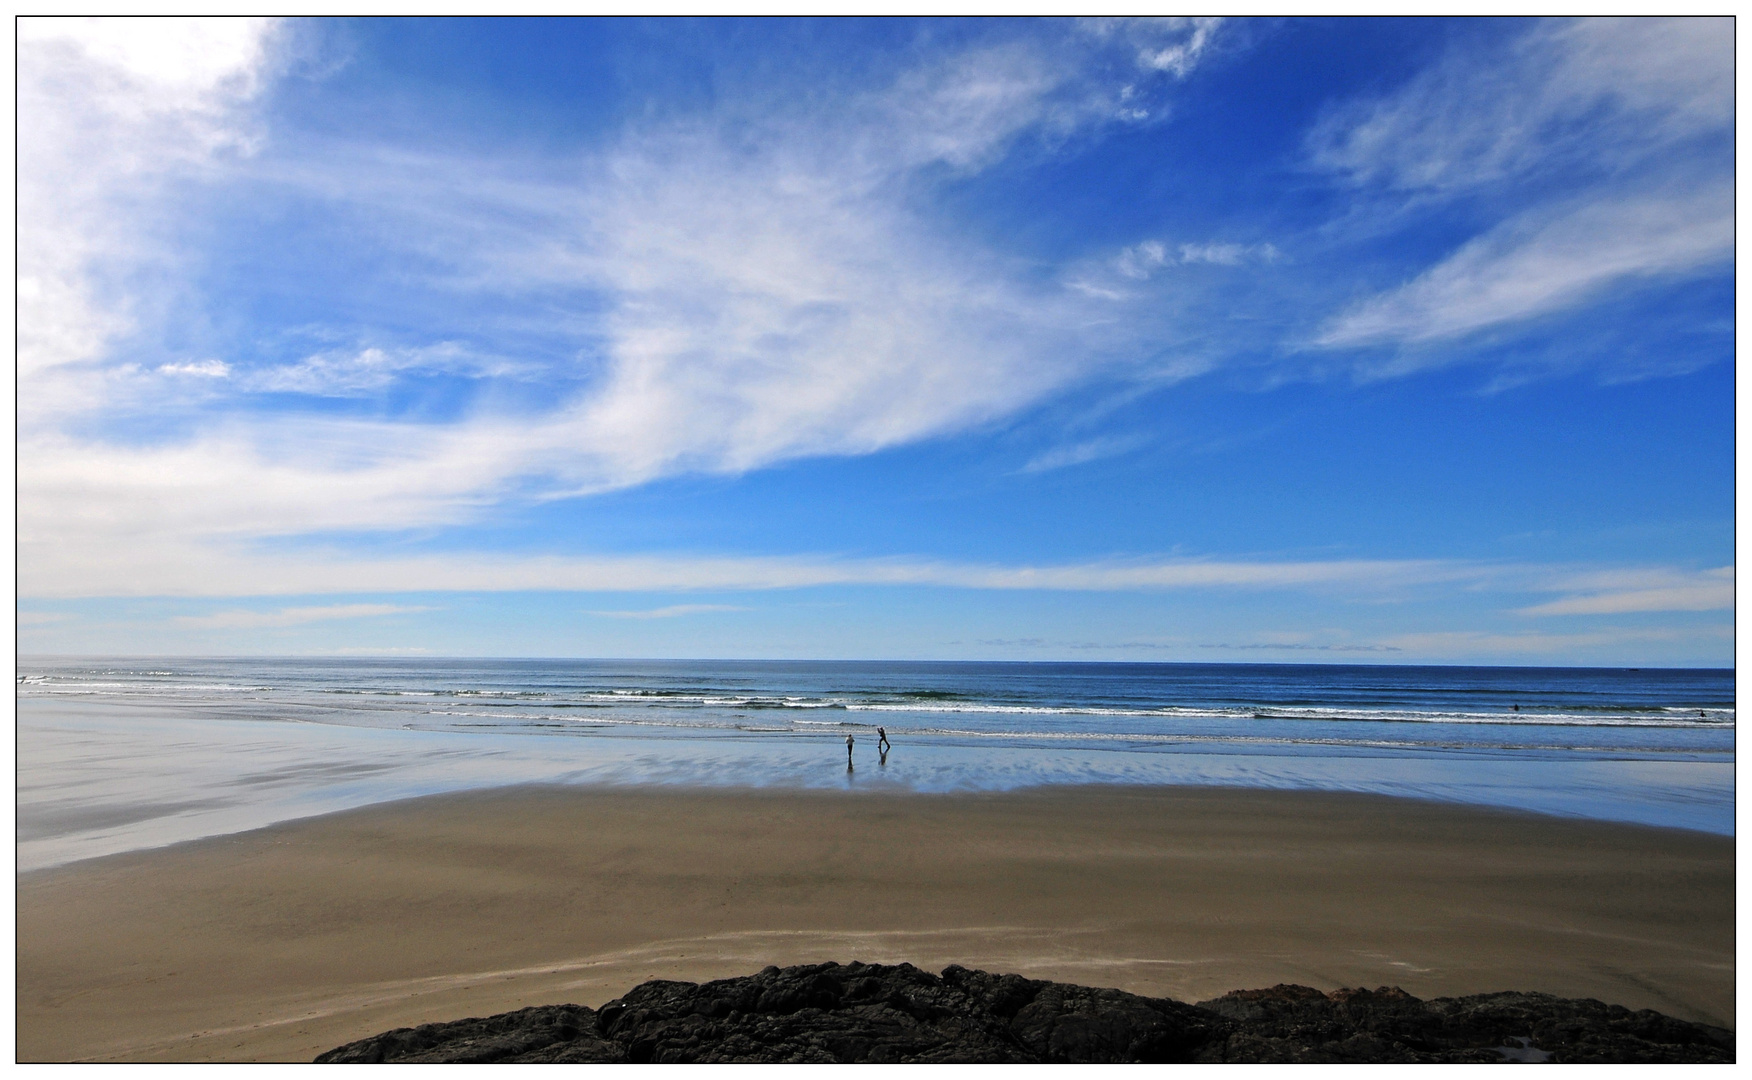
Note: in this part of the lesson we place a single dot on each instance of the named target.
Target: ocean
(117, 754)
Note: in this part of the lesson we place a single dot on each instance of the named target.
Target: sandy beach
(278, 944)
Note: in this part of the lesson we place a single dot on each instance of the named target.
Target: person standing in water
(882, 743)
(848, 753)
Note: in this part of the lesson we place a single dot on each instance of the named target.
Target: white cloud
(671, 612)
(349, 372)
(335, 374)
(1173, 44)
(293, 616)
(1607, 92)
(176, 567)
(1302, 647)
(1616, 133)
(772, 293)
(1617, 593)
(1227, 254)
(792, 301)
(1141, 261)
(756, 324)
(41, 618)
(1548, 261)
(960, 111)
(773, 290)
(206, 369)
(1079, 453)
(185, 63)
(109, 110)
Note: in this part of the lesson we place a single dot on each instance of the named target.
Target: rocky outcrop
(877, 1013)
(1297, 1023)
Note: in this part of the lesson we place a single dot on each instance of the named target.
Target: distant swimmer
(848, 753)
(882, 743)
(1517, 708)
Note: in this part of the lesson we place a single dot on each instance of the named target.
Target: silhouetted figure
(848, 753)
(882, 743)
(1517, 708)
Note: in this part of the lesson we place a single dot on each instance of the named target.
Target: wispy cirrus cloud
(1619, 592)
(793, 301)
(764, 288)
(1081, 453)
(205, 369)
(1546, 261)
(41, 618)
(1179, 646)
(110, 114)
(673, 611)
(1183, 646)
(1606, 136)
(1117, 278)
(176, 570)
(292, 616)
(1173, 44)
(1268, 646)
(1605, 94)
(349, 372)
(735, 288)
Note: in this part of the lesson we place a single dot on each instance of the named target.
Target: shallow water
(119, 754)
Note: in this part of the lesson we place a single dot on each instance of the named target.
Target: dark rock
(1299, 1023)
(879, 1013)
(536, 1034)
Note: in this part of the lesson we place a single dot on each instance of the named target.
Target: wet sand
(278, 944)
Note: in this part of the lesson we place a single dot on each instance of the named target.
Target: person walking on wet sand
(848, 753)
(882, 743)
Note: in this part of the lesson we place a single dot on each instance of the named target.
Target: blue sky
(1398, 341)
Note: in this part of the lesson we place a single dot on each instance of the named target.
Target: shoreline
(212, 804)
(684, 789)
(282, 942)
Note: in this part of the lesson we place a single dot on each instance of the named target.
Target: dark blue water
(106, 739)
